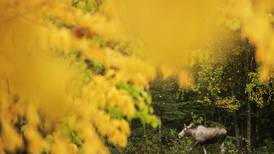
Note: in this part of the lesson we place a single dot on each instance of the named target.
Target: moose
(205, 135)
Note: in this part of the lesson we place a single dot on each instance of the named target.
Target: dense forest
(136, 77)
(227, 95)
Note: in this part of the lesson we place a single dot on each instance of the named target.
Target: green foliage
(115, 112)
(162, 141)
(229, 103)
(165, 141)
(90, 6)
(70, 134)
(196, 118)
(143, 102)
(75, 139)
(268, 147)
(258, 92)
(231, 146)
(218, 99)
(143, 144)
(209, 87)
(208, 79)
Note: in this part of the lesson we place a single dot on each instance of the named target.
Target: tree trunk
(248, 127)
(256, 127)
(250, 67)
(160, 139)
(236, 129)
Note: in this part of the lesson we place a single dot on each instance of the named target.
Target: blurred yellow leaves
(43, 91)
(174, 33)
(43, 88)
(10, 138)
(120, 99)
(185, 79)
(257, 25)
(183, 76)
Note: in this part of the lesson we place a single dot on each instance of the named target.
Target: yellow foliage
(185, 79)
(175, 32)
(44, 88)
(10, 138)
(35, 140)
(230, 104)
(178, 33)
(258, 27)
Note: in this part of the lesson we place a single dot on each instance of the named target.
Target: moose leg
(204, 149)
(222, 147)
(194, 145)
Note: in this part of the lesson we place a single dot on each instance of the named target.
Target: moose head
(186, 128)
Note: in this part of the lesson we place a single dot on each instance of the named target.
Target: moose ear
(185, 125)
(190, 125)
